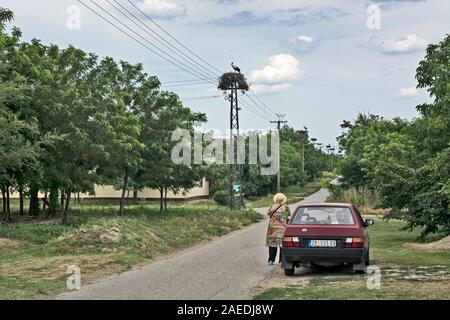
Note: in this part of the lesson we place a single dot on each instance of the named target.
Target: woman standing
(278, 217)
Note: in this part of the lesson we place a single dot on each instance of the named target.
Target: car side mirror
(368, 222)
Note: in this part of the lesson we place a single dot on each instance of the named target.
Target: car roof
(340, 205)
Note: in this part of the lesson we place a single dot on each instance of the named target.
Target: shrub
(221, 197)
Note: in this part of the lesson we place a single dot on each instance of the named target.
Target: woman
(278, 217)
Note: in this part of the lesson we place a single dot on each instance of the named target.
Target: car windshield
(324, 215)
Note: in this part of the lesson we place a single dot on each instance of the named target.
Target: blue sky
(315, 60)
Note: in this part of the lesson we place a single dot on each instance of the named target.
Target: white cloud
(409, 43)
(162, 8)
(267, 88)
(302, 40)
(282, 68)
(407, 92)
(303, 43)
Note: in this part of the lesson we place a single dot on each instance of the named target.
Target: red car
(326, 233)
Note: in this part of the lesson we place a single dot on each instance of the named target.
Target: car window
(324, 215)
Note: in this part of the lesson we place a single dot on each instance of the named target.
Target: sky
(317, 61)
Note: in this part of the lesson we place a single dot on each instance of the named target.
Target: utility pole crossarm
(280, 120)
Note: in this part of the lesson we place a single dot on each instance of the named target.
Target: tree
(159, 120)
(17, 154)
(407, 162)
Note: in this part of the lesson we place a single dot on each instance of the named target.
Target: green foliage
(257, 185)
(70, 121)
(34, 257)
(406, 163)
(221, 197)
(406, 272)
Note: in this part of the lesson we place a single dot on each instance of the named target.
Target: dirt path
(227, 268)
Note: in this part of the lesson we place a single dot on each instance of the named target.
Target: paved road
(227, 268)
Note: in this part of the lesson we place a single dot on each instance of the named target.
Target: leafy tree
(407, 162)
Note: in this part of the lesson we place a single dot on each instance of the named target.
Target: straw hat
(279, 198)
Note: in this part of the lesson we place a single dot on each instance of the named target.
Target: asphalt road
(227, 268)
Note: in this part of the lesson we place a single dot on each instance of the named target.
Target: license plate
(322, 243)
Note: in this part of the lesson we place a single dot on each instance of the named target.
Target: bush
(221, 197)
(363, 197)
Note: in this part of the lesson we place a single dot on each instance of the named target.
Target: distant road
(227, 268)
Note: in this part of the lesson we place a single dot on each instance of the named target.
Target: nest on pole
(233, 80)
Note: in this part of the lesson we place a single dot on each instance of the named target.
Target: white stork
(236, 68)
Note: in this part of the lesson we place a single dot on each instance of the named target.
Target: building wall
(108, 192)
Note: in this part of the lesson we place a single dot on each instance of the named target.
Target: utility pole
(280, 120)
(303, 136)
(332, 158)
(314, 142)
(232, 82)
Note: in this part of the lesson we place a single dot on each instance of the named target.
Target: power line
(150, 43)
(189, 89)
(280, 120)
(163, 41)
(200, 98)
(262, 102)
(183, 82)
(260, 109)
(253, 110)
(140, 42)
(270, 114)
(172, 37)
(254, 106)
(203, 83)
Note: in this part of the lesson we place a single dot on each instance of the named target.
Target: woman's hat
(280, 198)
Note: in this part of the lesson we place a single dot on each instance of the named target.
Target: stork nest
(232, 80)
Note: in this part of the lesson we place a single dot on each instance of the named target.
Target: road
(227, 268)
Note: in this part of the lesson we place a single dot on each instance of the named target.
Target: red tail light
(356, 242)
(291, 242)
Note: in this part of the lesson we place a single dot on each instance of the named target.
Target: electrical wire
(140, 42)
(160, 39)
(173, 38)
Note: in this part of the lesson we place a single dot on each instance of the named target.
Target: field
(406, 273)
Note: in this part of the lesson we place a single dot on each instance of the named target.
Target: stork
(236, 68)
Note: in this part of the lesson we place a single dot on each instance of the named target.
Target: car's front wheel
(289, 272)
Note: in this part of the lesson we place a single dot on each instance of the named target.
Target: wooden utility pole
(279, 122)
(302, 141)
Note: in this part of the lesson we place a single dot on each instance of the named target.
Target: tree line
(70, 120)
(407, 162)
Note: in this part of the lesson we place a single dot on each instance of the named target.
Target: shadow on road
(321, 271)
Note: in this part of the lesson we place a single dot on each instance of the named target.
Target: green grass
(34, 257)
(406, 273)
(293, 193)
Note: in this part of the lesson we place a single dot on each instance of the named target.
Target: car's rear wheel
(367, 260)
(289, 272)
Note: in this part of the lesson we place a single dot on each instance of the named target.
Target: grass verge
(406, 273)
(34, 257)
